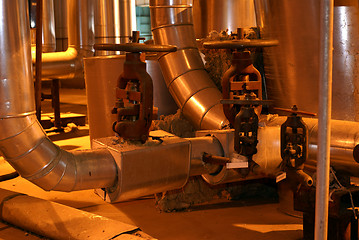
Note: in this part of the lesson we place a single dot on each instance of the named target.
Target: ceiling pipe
(186, 78)
(81, 38)
(23, 143)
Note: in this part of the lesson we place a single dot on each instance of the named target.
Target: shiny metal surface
(178, 30)
(178, 63)
(292, 68)
(181, 36)
(15, 60)
(344, 137)
(48, 27)
(105, 27)
(101, 75)
(135, 47)
(68, 64)
(324, 119)
(147, 168)
(127, 16)
(200, 145)
(240, 44)
(61, 25)
(221, 15)
(182, 88)
(23, 142)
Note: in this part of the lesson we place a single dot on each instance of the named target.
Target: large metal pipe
(222, 15)
(48, 27)
(23, 142)
(105, 25)
(292, 67)
(184, 73)
(81, 38)
(127, 19)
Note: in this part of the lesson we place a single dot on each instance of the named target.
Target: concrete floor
(221, 219)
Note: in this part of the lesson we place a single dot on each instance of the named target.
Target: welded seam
(178, 49)
(171, 25)
(61, 177)
(27, 127)
(200, 125)
(191, 70)
(76, 172)
(46, 169)
(26, 114)
(27, 152)
(185, 102)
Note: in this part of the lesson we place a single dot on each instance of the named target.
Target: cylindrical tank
(292, 68)
(218, 15)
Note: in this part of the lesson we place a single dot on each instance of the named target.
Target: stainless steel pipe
(105, 25)
(23, 142)
(48, 27)
(324, 119)
(81, 38)
(184, 73)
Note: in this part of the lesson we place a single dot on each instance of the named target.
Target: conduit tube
(184, 73)
(23, 142)
(80, 25)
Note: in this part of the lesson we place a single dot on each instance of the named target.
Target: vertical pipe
(324, 118)
(38, 58)
(48, 26)
(127, 14)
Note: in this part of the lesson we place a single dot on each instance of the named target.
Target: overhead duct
(23, 142)
(184, 73)
(68, 64)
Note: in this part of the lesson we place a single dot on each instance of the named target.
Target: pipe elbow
(26, 147)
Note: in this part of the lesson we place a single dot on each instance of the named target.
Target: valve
(134, 92)
(294, 145)
(246, 123)
(241, 71)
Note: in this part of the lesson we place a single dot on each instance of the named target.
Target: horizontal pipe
(69, 64)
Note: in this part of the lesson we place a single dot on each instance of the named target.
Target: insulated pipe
(48, 26)
(126, 15)
(184, 73)
(23, 142)
(105, 25)
(68, 64)
(344, 138)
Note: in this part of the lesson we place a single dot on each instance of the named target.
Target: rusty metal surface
(240, 44)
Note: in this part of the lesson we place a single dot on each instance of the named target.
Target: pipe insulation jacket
(23, 142)
(184, 72)
(81, 38)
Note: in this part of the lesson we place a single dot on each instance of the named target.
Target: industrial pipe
(184, 73)
(68, 64)
(324, 119)
(23, 142)
(105, 25)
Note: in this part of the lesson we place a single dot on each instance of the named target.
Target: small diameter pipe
(38, 58)
(324, 116)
